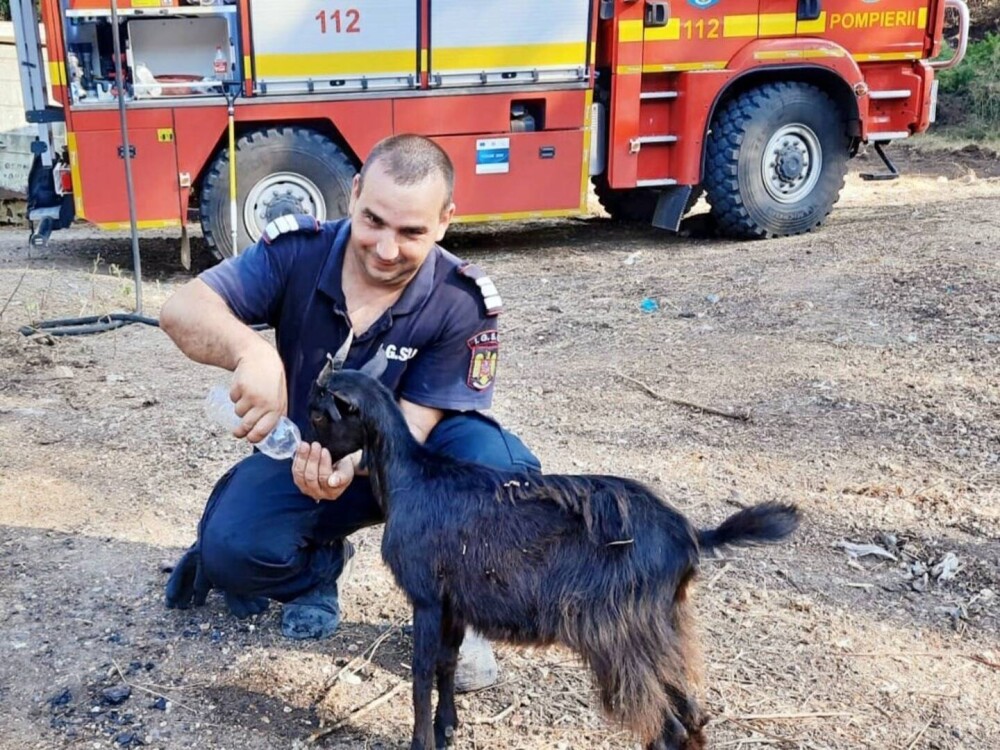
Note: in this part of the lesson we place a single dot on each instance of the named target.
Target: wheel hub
(791, 163)
(278, 194)
(279, 205)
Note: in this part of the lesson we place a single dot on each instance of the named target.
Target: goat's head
(336, 400)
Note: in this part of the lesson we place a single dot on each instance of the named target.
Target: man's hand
(258, 390)
(315, 474)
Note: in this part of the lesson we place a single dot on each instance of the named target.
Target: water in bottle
(280, 443)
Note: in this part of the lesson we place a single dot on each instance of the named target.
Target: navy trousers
(260, 536)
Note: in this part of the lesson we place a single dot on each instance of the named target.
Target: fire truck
(758, 103)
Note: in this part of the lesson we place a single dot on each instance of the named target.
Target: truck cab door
(870, 30)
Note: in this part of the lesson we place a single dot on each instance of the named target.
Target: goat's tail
(767, 522)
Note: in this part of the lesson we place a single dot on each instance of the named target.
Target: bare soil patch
(867, 353)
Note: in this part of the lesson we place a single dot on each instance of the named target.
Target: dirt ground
(867, 355)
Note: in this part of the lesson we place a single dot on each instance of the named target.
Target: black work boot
(316, 613)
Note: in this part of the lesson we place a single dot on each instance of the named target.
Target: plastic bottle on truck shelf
(220, 66)
(280, 443)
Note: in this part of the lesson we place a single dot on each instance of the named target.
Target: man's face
(394, 227)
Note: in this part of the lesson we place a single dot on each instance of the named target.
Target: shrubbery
(970, 92)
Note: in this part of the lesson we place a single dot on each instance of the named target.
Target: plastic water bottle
(280, 443)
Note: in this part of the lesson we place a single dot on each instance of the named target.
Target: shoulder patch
(483, 359)
(289, 224)
(491, 297)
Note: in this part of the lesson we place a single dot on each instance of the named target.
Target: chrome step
(658, 95)
(890, 94)
(656, 139)
(655, 183)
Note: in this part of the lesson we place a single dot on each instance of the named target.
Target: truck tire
(282, 170)
(775, 161)
(635, 205)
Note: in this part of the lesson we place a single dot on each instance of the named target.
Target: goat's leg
(426, 647)
(446, 716)
(674, 737)
(690, 715)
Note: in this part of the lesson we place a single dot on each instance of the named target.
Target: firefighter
(278, 529)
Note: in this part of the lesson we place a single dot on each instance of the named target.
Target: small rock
(948, 568)
(60, 372)
(115, 696)
(712, 299)
(61, 699)
(160, 704)
(687, 314)
(349, 678)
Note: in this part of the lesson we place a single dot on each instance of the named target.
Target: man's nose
(386, 249)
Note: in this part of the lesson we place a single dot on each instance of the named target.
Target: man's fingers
(312, 466)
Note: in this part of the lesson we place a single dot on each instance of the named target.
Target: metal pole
(127, 155)
(234, 228)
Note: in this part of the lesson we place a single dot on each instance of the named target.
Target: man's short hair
(410, 159)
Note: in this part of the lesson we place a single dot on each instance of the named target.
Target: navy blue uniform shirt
(441, 344)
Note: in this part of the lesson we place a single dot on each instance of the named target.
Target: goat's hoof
(444, 738)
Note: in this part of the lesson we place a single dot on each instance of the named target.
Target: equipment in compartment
(180, 50)
(179, 55)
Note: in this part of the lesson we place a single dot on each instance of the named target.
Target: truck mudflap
(48, 208)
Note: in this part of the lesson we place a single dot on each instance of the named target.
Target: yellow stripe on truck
(144, 224)
(567, 54)
(57, 73)
(588, 101)
(812, 27)
(554, 213)
(74, 173)
(777, 24)
(669, 33)
(298, 66)
(630, 31)
(737, 26)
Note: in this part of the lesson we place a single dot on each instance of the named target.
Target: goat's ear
(375, 367)
(340, 357)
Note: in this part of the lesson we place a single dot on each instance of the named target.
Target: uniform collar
(414, 295)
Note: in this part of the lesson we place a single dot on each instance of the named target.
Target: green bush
(4, 10)
(971, 91)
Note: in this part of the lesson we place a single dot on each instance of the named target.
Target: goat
(599, 564)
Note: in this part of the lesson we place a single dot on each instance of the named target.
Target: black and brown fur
(599, 564)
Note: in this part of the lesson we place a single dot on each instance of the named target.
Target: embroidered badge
(483, 364)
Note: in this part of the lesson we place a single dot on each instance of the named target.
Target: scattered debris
(59, 372)
(947, 568)
(115, 696)
(61, 698)
(863, 550)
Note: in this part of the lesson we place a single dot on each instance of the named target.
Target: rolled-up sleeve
(253, 283)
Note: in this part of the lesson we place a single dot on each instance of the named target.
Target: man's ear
(355, 194)
(446, 216)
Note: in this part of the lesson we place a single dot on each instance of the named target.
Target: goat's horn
(375, 367)
(341, 356)
(336, 361)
